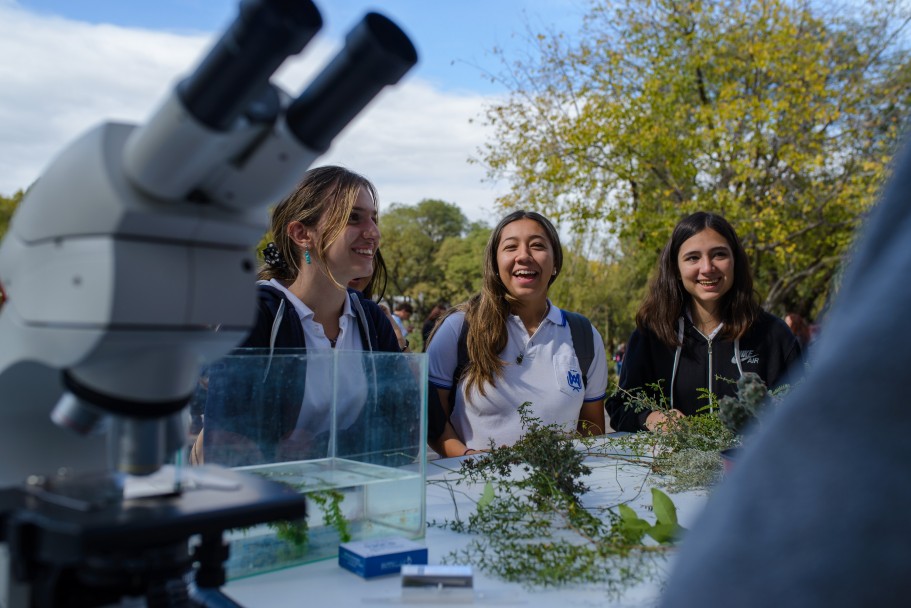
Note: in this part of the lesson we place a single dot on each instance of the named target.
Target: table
(325, 584)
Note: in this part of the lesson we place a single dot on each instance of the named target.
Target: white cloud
(414, 142)
(61, 77)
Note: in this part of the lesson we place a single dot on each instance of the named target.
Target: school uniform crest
(574, 379)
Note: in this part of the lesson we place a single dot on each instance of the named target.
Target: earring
(307, 254)
(554, 272)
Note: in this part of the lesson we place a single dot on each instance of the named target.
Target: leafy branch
(531, 525)
(686, 450)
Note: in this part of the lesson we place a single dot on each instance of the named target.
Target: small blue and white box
(376, 557)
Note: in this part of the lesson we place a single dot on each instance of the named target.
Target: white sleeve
(443, 352)
(596, 388)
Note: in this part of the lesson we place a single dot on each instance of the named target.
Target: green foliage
(7, 208)
(531, 527)
(595, 288)
(552, 464)
(704, 432)
(461, 260)
(782, 115)
(665, 529)
(330, 502)
(412, 236)
(685, 452)
(690, 469)
(752, 396)
(297, 532)
(750, 403)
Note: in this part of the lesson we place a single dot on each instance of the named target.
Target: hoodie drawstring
(279, 314)
(680, 350)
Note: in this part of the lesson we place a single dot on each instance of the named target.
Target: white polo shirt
(315, 415)
(548, 376)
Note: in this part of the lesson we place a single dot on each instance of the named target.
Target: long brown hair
(325, 194)
(486, 312)
(666, 299)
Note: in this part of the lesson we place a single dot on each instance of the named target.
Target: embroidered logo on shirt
(574, 379)
(746, 356)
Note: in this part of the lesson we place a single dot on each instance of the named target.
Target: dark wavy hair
(666, 299)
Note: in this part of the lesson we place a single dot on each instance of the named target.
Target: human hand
(658, 421)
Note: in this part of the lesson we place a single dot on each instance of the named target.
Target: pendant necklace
(521, 356)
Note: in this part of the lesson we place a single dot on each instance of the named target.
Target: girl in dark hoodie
(699, 328)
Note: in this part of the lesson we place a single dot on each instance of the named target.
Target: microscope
(128, 266)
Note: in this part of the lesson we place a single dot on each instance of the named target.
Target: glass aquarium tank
(346, 428)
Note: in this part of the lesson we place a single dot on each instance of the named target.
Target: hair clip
(273, 257)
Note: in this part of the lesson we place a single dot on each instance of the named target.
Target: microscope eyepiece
(376, 53)
(235, 71)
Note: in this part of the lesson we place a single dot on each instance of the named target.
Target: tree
(598, 289)
(7, 208)
(781, 115)
(461, 260)
(412, 235)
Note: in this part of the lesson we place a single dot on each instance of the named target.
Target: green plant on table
(751, 401)
(531, 525)
(686, 450)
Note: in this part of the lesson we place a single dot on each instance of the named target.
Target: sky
(69, 65)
